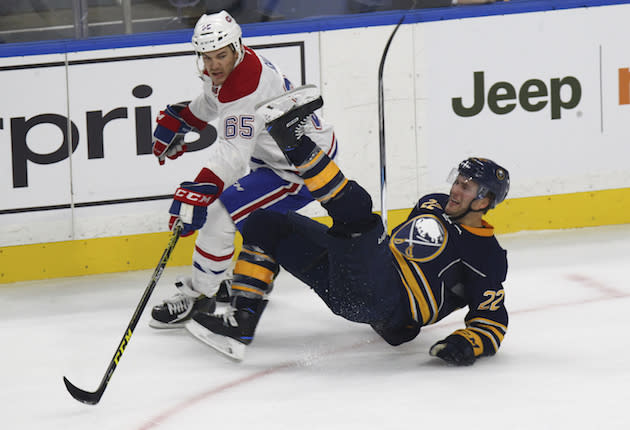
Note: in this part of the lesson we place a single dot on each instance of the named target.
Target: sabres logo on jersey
(421, 238)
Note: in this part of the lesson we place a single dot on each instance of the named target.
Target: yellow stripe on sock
(253, 271)
(335, 191)
(323, 178)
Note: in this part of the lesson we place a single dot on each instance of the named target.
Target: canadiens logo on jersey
(421, 238)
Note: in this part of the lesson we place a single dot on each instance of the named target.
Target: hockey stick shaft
(381, 126)
(92, 398)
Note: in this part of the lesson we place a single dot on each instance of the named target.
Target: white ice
(564, 364)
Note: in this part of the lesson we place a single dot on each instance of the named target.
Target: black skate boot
(231, 332)
(286, 115)
(177, 310)
(288, 118)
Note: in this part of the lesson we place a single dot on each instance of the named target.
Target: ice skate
(287, 115)
(230, 332)
(177, 310)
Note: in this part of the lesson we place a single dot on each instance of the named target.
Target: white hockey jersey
(242, 140)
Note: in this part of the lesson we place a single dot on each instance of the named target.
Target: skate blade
(161, 326)
(277, 106)
(225, 345)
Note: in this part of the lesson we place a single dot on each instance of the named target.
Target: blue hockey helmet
(490, 177)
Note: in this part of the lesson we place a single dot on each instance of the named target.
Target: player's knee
(265, 228)
(351, 211)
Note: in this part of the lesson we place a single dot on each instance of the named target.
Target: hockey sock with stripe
(254, 273)
(321, 175)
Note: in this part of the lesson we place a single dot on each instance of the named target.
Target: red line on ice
(609, 293)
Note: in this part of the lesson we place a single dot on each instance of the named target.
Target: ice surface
(563, 364)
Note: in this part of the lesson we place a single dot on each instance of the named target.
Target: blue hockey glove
(455, 349)
(172, 124)
(191, 201)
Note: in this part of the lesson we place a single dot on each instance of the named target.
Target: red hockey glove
(191, 201)
(172, 124)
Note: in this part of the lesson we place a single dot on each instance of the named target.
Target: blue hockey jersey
(445, 266)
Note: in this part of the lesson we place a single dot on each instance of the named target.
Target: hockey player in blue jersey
(442, 258)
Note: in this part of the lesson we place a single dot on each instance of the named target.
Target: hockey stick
(92, 398)
(381, 126)
(381, 122)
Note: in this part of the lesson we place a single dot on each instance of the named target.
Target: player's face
(463, 192)
(219, 64)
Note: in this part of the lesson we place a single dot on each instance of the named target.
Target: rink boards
(533, 91)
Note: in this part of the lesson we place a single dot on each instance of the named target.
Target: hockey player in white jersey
(245, 170)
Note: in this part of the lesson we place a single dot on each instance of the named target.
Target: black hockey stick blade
(92, 398)
(87, 397)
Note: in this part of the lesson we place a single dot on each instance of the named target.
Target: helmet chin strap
(240, 52)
